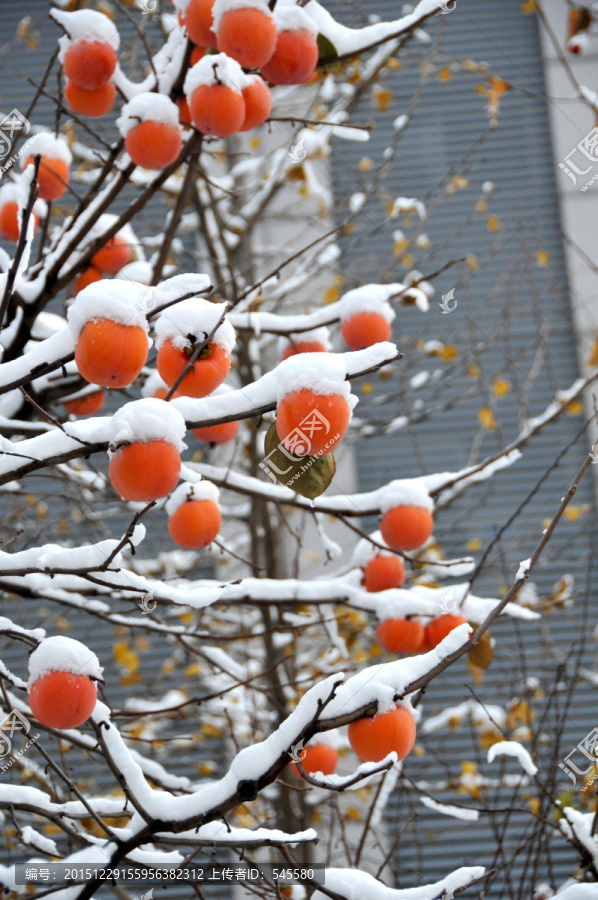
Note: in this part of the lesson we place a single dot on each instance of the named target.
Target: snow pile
(139, 271)
(216, 69)
(221, 7)
(85, 23)
(577, 892)
(114, 299)
(513, 748)
(369, 298)
(195, 318)
(293, 18)
(315, 335)
(354, 884)
(579, 828)
(457, 812)
(406, 492)
(202, 490)
(46, 145)
(63, 654)
(147, 420)
(153, 383)
(524, 567)
(483, 716)
(322, 373)
(179, 287)
(147, 107)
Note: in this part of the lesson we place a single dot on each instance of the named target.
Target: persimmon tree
(121, 359)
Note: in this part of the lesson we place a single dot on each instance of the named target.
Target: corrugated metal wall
(510, 298)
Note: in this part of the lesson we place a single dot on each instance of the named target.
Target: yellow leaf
(593, 357)
(353, 814)
(255, 142)
(366, 388)
(572, 513)
(365, 164)
(375, 650)
(473, 371)
(486, 418)
(448, 352)
(394, 63)
(186, 617)
(501, 387)
(61, 623)
(472, 262)
(481, 206)
(209, 730)
(130, 678)
(382, 98)
(445, 74)
(529, 6)
(542, 257)
(575, 408)
(206, 768)
(473, 544)
(42, 509)
(493, 223)
(468, 768)
(168, 665)
(125, 657)
(349, 228)
(418, 750)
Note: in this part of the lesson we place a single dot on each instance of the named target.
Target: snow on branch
(353, 884)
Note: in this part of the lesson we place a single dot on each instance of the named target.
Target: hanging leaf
(327, 51)
(306, 475)
(481, 654)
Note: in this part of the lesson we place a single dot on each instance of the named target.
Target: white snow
(197, 317)
(216, 69)
(180, 286)
(114, 299)
(292, 18)
(33, 838)
(223, 6)
(369, 298)
(139, 270)
(321, 335)
(406, 492)
(148, 419)
(484, 717)
(147, 107)
(202, 490)
(457, 812)
(523, 569)
(46, 144)
(85, 23)
(578, 892)
(353, 884)
(63, 654)
(152, 384)
(322, 373)
(515, 749)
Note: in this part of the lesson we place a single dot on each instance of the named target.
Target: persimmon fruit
(217, 109)
(374, 738)
(89, 64)
(111, 258)
(53, 177)
(217, 434)
(317, 758)
(258, 103)
(406, 528)
(401, 635)
(153, 145)
(247, 34)
(438, 628)
(322, 418)
(383, 572)
(9, 221)
(302, 347)
(364, 329)
(109, 353)
(90, 103)
(206, 374)
(195, 524)
(145, 470)
(87, 277)
(62, 699)
(294, 59)
(85, 406)
(197, 19)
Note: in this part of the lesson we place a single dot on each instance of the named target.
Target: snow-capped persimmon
(382, 573)
(62, 699)
(406, 528)
(401, 635)
(197, 19)
(110, 353)
(194, 515)
(111, 258)
(295, 56)
(89, 64)
(247, 34)
(438, 628)
(258, 102)
(145, 470)
(217, 434)
(86, 405)
(217, 109)
(365, 329)
(374, 738)
(87, 276)
(317, 758)
(53, 177)
(149, 123)
(207, 372)
(90, 103)
(153, 145)
(309, 424)
(9, 221)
